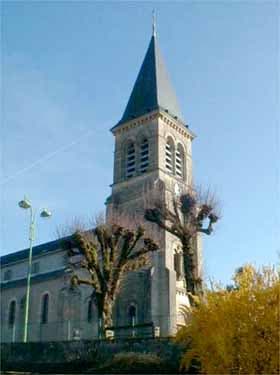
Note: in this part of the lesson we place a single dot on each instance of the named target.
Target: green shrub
(137, 362)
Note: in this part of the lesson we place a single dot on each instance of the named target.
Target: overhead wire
(45, 158)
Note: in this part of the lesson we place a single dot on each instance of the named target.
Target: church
(153, 148)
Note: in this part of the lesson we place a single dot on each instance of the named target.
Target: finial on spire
(154, 23)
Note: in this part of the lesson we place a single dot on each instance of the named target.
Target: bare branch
(190, 213)
(109, 252)
(70, 227)
(97, 220)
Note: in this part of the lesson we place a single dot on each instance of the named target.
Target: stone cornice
(135, 122)
(177, 125)
(163, 115)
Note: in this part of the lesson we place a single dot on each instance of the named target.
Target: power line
(45, 158)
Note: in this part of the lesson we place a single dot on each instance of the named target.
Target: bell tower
(153, 149)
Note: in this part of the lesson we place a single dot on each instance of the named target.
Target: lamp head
(24, 203)
(45, 213)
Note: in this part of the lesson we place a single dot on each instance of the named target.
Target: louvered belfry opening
(144, 156)
(179, 162)
(169, 156)
(130, 160)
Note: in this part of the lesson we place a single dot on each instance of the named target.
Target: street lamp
(26, 204)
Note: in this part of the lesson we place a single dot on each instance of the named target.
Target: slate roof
(37, 250)
(152, 89)
(35, 279)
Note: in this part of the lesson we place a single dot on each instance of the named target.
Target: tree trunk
(189, 266)
(99, 299)
(108, 313)
(105, 315)
(101, 330)
(104, 306)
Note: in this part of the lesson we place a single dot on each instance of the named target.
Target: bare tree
(108, 252)
(78, 223)
(188, 215)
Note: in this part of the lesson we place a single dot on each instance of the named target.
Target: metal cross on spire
(154, 23)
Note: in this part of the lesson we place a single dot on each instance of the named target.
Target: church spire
(152, 89)
(154, 24)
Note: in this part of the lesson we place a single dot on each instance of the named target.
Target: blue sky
(67, 72)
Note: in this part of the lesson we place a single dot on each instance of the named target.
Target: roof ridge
(156, 66)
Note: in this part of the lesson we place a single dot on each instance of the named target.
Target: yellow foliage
(236, 331)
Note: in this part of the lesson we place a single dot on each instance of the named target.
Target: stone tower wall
(165, 294)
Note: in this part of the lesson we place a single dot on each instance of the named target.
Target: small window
(7, 275)
(45, 309)
(89, 311)
(35, 267)
(132, 315)
(12, 313)
(178, 265)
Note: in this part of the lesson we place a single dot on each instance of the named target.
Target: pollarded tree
(107, 253)
(187, 216)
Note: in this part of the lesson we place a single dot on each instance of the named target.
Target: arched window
(178, 265)
(179, 162)
(22, 302)
(169, 156)
(12, 313)
(144, 155)
(132, 315)
(89, 311)
(130, 160)
(45, 309)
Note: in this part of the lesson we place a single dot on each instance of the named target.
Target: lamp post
(26, 204)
